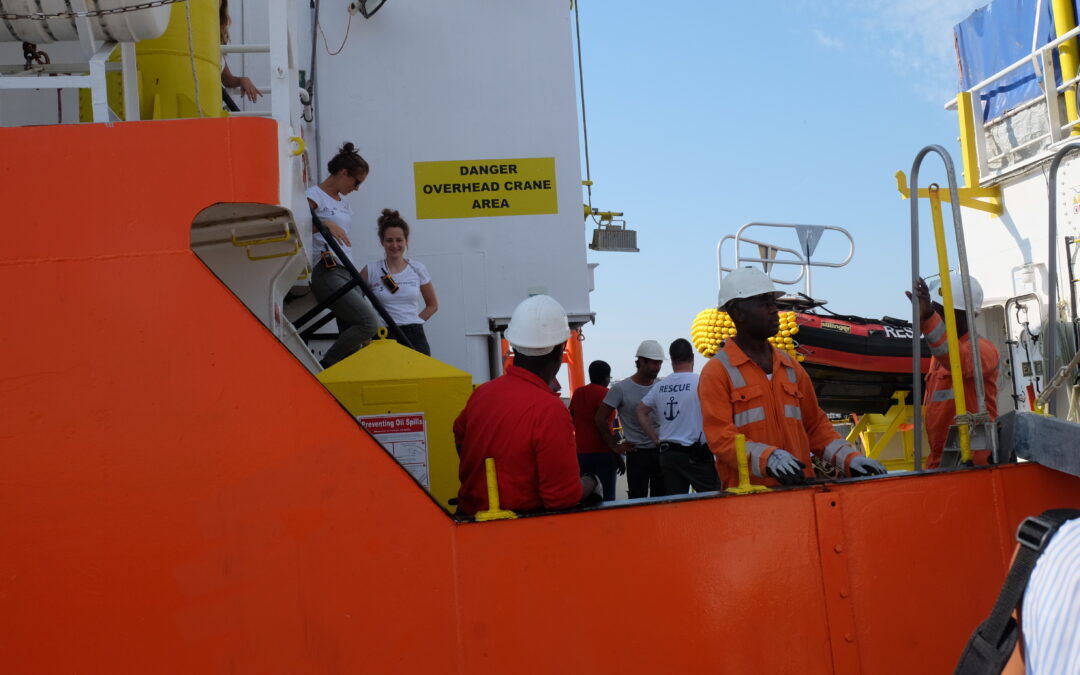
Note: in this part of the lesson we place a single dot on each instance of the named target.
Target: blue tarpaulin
(993, 38)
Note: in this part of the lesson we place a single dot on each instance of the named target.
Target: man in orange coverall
(751, 388)
(939, 397)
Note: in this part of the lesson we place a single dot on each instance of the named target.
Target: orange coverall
(738, 397)
(939, 398)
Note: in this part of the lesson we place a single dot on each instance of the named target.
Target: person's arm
(825, 442)
(335, 230)
(645, 419)
(932, 326)
(557, 467)
(459, 431)
(717, 420)
(600, 419)
(431, 303)
(247, 88)
(363, 273)
(643, 411)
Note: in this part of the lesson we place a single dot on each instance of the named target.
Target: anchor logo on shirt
(671, 413)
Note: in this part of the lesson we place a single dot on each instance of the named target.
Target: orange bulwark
(180, 495)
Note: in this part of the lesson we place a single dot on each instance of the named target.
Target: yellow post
(1065, 21)
(968, 148)
(744, 487)
(493, 511)
(950, 323)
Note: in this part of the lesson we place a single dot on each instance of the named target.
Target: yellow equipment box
(408, 402)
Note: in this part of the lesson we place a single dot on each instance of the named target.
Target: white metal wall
(1008, 254)
(460, 80)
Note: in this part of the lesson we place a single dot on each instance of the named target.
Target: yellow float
(712, 327)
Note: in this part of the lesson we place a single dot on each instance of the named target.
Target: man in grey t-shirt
(643, 475)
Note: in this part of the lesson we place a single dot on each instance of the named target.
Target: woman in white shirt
(356, 318)
(402, 284)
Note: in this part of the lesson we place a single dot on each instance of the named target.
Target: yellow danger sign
(476, 188)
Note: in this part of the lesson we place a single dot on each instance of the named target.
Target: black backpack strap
(992, 644)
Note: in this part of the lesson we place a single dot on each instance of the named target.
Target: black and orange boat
(856, 363)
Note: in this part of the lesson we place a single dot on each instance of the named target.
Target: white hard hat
(537, 326)
(745, 282)
(958, 291)
(650, 349)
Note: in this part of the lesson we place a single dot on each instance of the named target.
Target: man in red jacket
(517, 420)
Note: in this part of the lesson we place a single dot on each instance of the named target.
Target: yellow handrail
(285, 236)
(953, 339)
(278, 238)
(282, 254)
(970, 197)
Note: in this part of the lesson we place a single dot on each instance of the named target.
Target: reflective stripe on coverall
(738, 397)
(939, 398)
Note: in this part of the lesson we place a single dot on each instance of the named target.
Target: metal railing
(993, 166)
(965, 421)
(809, 236)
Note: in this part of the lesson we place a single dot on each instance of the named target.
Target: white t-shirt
(674, 399)
(328, 208)
(403, 306)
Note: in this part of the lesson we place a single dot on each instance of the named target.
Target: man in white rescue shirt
(685, 459)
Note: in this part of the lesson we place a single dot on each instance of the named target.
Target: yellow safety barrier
(744, 487)
(493, 511)
(1065, 21)
(950, 322)
(877, 431)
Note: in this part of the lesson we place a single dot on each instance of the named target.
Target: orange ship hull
(179, 494)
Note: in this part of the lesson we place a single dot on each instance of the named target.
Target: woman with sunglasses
(402, 284)
(356, 318)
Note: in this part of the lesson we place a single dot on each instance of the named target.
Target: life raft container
(857, 364)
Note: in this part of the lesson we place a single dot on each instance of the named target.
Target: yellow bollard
(744, 487)
(493, 511)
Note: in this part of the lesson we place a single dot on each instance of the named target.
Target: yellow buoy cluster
(712, 326)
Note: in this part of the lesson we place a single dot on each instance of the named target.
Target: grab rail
(1052, 271)
(965, 282)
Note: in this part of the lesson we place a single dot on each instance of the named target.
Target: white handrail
(951, 104)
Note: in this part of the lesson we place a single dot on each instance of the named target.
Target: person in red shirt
(594, 455)
(519, 422)
(939, 399)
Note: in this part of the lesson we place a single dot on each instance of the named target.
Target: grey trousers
(356, 318)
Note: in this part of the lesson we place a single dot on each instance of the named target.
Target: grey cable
(191, 58)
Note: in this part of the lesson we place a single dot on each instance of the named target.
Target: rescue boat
(857, 364)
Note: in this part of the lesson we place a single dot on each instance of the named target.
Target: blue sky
(703, 116)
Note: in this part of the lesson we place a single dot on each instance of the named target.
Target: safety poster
(403, 435)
